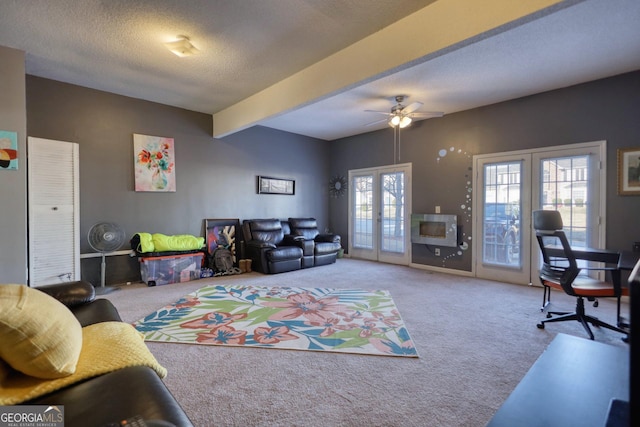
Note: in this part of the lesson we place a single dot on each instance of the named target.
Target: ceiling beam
(440, 27)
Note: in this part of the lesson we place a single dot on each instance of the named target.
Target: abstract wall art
(8, 150)
(154, 163)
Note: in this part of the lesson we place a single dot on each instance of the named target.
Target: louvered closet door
(54, 211)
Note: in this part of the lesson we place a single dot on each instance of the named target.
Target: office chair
(562, 273)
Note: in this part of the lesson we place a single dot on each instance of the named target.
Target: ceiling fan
(401, 116)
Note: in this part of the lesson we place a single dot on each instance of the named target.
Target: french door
(509, 186)
(502, 216)
(573, 182)
(379, 209)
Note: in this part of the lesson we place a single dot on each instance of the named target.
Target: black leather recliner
(318, 249)
(107, 399)
(270, 249)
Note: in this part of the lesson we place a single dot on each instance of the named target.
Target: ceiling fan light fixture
(401, 116)
(182, 47)
(399, 120)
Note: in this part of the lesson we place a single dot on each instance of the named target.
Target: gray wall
(217, 178)
(214, 178)
(13, 184)
(607, 109)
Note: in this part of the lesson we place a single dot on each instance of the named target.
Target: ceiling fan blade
(376, 122)
(379, 112)
(427, 114)
(411, 107)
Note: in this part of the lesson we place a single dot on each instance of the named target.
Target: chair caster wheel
(540, 325)
(595, 304)
(548, 315)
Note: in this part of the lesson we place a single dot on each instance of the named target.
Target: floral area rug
(337, 320)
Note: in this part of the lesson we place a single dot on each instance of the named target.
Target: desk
(624, 260)
(588, 254)
(628, 260)
(571, 384)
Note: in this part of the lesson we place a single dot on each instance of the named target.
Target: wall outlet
(437, 209)
(437, 251)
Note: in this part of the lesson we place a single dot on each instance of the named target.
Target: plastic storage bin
(164, 270)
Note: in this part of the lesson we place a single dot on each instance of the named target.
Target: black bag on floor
(221, 262)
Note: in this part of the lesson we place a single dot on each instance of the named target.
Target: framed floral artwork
(154, 163)
(629, 171)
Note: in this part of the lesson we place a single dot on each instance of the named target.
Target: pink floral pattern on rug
(338, 320)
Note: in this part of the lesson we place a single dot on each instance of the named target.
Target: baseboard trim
(442, 270)
(432, 268)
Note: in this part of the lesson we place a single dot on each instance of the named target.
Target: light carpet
(319, 319)
(476, 339)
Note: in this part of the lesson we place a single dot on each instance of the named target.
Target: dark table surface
(589, 254)
(571, 384)
(628, 260)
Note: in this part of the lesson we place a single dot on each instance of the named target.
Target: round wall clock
(337, 186)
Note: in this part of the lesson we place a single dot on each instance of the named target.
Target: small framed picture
(267, 185)
(629, 171)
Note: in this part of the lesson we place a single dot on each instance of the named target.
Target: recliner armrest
(291, 240)
(71, 294)
(259, 244)
(328, 238)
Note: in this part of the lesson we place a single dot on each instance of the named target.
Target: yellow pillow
(39, 336)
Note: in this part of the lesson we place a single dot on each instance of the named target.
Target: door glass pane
(392, 212)
(363, 212)
(564, 188)
(501, 220)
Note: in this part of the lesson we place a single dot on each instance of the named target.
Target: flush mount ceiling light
(182, 47)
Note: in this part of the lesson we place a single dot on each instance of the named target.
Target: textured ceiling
(248, 46)
(245, 45)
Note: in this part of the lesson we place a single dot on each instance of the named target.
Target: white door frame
(597, 148)
(376, 253)
(598, 233)
(495, 271)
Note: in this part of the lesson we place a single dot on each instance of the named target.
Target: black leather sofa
(110, 398)
(269, 248)
(276, 246)
(318, 248)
